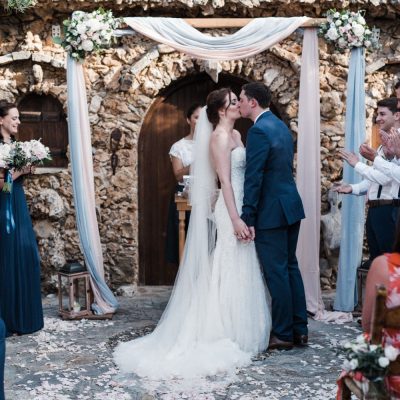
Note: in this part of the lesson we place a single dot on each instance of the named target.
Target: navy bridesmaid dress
(2, 357)
(20, 296)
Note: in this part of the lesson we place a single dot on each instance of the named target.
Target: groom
(272, 209)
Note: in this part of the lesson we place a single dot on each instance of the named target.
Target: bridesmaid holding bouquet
(20, 295)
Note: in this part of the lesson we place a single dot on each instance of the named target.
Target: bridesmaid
(181, 155)
(2, 357)
(20, 296)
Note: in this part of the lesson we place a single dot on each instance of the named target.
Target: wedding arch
(255, 36)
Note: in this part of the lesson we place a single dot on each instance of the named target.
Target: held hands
(28, 169)
(242, 232)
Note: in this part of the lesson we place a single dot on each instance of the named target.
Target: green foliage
(20, 5)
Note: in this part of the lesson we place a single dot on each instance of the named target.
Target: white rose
(391, 352)
(345, 17)
(336, 15)
(358, 30)
(367, 31)
(342, 43)
(338, 22)
(373, 347)
(346, 365)
(332, 34)
(354, 364)
(361, 20)
(383, 362)
(360, 339)
(87, 45)
(81, 29)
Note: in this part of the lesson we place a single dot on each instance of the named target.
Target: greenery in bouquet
(85, 33)
(369, 359)
(20, 5)
(347, 29)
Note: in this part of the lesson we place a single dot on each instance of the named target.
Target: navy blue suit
(2, 357)
(273, 206)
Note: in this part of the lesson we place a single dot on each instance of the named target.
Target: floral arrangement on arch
(20, 5)
(88, 32)
(348, 29)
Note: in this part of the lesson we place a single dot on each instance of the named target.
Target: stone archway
(164, 124)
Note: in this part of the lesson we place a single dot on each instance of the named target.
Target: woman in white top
(181, 154)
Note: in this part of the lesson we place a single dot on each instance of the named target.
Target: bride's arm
(221, 155)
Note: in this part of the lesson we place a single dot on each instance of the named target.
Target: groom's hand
(252, 232)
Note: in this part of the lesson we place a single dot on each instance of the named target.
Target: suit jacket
(271, 199)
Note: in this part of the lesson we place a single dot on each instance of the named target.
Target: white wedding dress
(218, 315)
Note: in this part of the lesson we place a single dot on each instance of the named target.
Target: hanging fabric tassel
(10, 224)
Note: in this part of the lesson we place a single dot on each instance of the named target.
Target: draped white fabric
(83, 186)
(309, 170)
(257, 36)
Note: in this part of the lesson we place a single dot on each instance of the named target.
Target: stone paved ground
(72, 360)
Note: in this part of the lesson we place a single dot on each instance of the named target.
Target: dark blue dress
(2, 357)
(20, 296)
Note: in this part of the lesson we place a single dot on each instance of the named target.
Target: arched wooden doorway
(165, 124)
(43, 117)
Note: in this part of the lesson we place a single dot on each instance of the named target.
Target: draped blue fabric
(83, 187)
(352, 232)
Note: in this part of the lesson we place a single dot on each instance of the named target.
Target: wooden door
(42, 117)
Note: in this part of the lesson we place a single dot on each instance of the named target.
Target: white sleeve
(176, 150)
(372, 174)
(388, 168)
(359, 189)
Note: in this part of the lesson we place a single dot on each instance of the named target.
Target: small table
(182, 205)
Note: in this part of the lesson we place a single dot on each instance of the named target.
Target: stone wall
(122, 83)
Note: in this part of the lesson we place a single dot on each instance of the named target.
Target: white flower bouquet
(18, 155)
(88, 32)
(371, 360)
(348, 29)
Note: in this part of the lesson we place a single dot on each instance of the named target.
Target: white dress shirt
(392, 170)
(261, 113)
(373, 180)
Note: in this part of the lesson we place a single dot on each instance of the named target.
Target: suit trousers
(2, 357)
(380, 228)
(276, 249)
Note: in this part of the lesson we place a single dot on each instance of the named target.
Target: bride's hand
(241, 230)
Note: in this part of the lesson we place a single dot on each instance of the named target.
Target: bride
(217, 317)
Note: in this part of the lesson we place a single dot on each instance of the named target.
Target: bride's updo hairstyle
(215, 101)
(5, 108)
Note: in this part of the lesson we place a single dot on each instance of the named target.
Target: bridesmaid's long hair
(5, 107)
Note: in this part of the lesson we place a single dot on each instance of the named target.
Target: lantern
(74, 291)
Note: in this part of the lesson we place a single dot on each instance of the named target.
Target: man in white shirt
(389, 123)
(383, 190)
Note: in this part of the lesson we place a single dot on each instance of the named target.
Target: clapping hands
(393, 142)
(350, 157)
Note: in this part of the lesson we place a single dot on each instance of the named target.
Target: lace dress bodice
(238, 165)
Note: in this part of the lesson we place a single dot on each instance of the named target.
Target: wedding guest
(2, 357)
(181, 155)
(384, 271)
(390, 124)
(20, 296)
(381, 218)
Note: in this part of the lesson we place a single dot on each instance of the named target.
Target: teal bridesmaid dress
(20, 294)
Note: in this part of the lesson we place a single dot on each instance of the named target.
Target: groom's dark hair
(258, 91)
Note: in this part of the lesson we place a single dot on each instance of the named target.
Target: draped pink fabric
(309, 169)
(309, 180)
